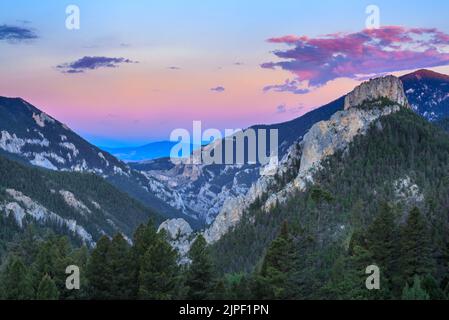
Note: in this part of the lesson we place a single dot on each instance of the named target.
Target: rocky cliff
(389, 87)
(363, 106)
(180, 235)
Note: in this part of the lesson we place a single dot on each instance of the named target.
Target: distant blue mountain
(149, 151)
(288, 133)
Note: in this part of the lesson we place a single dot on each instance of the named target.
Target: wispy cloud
(281, 108)
(218, 89)
(16, 34)
(297, 109)
(174, 68)
(23, 21)
(292, 86)
(316, 61)
(92, 63)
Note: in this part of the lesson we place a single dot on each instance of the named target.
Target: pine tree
(347, 278)
(278, 266)
(16, 281)
(416, 255)
(200, 276)
(261, 287)
(79, 258)
(122, 267)
(430, 285)
(356, 215)
(220, 291)
(382, 243)
(47, 289)
(45, 263)
(159, 270)
(241, 289)
(28, 248)
(416, 292)
(98, 271)
(144, 237)
(52, 259)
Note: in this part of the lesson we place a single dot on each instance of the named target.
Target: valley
(354, 175)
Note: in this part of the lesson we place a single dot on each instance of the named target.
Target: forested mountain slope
(81, 205)
(33, 137)
(358, 213)
(428, 93)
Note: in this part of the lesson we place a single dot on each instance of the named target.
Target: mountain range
(361, 181)
(150, 151)
(206, 190)
(32, 137)
(419, 84)
(428, 93)
(196, 193)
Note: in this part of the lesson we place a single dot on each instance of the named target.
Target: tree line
(115, 269)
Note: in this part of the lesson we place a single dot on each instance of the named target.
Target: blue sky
(139, 103)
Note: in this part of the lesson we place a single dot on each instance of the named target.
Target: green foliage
(416, 292)
(98, 271)
(319, 195)
(159, 272)
(16, 281)
(113, 270)
(416, 256)
(149, 269)
(47, 289)
(121, 265)
(430, 285)
(278, 267)
(105, 202)
(317, 245)
(382, 243)
(353, 217)
(144, 237)
(200, 276)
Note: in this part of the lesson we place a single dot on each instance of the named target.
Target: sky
(136, 70)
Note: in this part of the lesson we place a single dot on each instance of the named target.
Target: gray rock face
(22, 206)
(234, 207)
(205, 189)
(327, 137)
(323, 139)
(389, 87)
(176, 228)
(408, 192)
(180, 235)
(33, 136)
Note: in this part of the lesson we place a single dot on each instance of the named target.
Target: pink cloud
(316, 61)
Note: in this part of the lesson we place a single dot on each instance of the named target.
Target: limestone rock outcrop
(389, 87)
(180, 235)
(363, 107)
